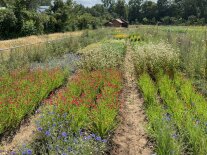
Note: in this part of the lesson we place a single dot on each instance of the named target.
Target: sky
(90, 3)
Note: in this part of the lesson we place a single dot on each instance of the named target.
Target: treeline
(22, 17)
(178, 12)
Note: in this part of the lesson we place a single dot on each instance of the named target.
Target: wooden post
(206, 53)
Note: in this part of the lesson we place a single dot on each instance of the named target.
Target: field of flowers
(81, 117)
(176, 111)
(77, 119)
(84, 113)
(22, 91)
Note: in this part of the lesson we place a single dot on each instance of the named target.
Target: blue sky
(91, 2)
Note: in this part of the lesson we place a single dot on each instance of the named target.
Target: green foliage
(161, 127)
(188, 118)
(135, 38)
(28, 28)
(104, 119)
(86, 21)
(7, 23)
(44, 52)
(148, 89)
(134, 10)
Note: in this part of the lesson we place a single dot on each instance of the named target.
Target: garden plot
(84, 111)
(100, 109)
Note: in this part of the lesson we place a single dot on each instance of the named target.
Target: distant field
(172, 28)
(36, 39)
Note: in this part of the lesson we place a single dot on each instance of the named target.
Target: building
(117, 23)
(41, 9)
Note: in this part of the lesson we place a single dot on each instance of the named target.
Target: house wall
(116, 23)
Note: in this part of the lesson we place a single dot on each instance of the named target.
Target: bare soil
(24, 135)
(130, 137)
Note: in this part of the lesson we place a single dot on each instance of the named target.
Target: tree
(163, 8)
(7, 23)
(107, 3)
(27, 4)
(2, 3)
(134, 10)
(45, 2)
(149, 10)
(121, 9)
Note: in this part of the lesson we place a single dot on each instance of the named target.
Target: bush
(145, 21)
(166, 20)
(192, 20)
(7, 24)
(28, 28)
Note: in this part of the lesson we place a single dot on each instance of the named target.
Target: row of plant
(44, 52)
(176, 111)
(192, 45)
(160, 123)
(177, 120)
(22, 91)
(131, 37)
(105, 54)
(151, 57)
(186, 119)
(79, 118)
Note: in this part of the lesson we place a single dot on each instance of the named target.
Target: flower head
(104, 141)
(29, 152)
(64, 134)
(47, 133)
(39, 129)
(98, 138)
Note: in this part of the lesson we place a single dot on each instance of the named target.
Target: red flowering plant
(91, 99)
(21, 92)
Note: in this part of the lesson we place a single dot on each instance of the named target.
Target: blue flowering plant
(55, 136)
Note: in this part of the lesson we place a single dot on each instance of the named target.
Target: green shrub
(8, 22)
(28, 28)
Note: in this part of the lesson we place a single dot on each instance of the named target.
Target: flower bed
(22, 91)
(81, 117)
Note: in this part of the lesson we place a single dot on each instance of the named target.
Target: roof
(2, 8)
(43, 8)
(124, 21)
(119, 20)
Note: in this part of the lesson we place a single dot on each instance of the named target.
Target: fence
(43, 42)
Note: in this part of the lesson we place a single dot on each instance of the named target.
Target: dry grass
(36, 39)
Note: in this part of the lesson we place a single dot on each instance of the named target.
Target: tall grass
(161, 127)
(24, 56)
(187, 120)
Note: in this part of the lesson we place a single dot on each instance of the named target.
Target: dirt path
(23, 136)
(130, 137)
